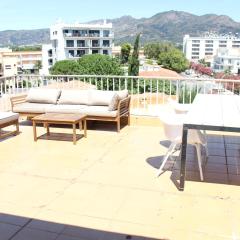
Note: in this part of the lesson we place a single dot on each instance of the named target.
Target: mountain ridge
(164, 26)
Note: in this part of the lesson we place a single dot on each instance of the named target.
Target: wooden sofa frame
(123, 110)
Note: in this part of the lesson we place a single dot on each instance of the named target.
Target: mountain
(24, 37)
(169, 26)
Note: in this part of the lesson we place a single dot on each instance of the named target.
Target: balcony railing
(147, 93)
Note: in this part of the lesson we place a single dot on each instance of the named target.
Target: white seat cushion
(65, 108)
(31, 107)
(98, 111)
(8, 117)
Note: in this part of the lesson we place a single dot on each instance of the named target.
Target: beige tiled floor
(105, 187)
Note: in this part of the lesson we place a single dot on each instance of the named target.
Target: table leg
(48, 130)
(74, 134)
(17, 128)
(85, 127)
(183, 158)
(34, 131)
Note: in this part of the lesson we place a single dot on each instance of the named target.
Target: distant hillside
(24, 37)
(170, 26)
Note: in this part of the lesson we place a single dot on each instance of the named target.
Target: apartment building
(12, 63)
(72, 41)
(227, 60)
(207, 47)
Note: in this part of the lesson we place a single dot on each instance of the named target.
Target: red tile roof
(162, 72)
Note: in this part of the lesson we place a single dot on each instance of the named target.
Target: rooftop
(105, 187)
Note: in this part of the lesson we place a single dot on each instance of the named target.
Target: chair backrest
(172, 126)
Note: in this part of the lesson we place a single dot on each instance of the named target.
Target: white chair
(183, 108)
(172, 125)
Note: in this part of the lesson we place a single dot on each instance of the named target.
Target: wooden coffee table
(60, 118)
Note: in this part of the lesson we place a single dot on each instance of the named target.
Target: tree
(152, 50)
(97, 64)
(173, 59)
(133, 68)
(65, 67)
(125, 52)
(38, 65)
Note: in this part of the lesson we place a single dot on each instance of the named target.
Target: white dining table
(214, 112)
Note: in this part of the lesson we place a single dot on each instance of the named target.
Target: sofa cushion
(8, 117)
(104, 98)
(40, 95)
(114, 102)
(98, 111)
(74, 97)
(100, 98)
(30, 107)
(65, 108)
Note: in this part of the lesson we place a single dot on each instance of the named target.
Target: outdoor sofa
(96, 104)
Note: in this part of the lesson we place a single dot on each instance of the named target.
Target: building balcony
(105, 186)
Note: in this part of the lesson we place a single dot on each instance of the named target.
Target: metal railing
(146, 92)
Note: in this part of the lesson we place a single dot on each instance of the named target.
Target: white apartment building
(227, 59)
(72, 41)
(206, 47)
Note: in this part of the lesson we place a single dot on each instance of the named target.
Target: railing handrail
(130, 77)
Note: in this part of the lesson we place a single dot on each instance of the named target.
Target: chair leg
(169, 152)
(199, 157)
(129, 119)
(118, 125)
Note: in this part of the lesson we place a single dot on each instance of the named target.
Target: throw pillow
(114, 103)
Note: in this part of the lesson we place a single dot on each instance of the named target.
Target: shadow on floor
(222, 165)
(91, 125)
(18, 227)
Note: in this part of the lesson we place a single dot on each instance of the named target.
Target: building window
(94, 33)
(106, 33)
(222, 45)
(236, 46)
(208, 45)
(195, 57)
(195, 53)
(80, 43)
(208, 53)
(50, 62)
(196, 41)
(80, 53)
(8, 67)
(50, 53)
(195, 45)
(209, 41)
(208, 49)
(195, 49)
(70, 43)
(222, 41)
(71, 53)
(236, 42)
(105, 52)
(95, 51)
(106, 43)
(95, 43)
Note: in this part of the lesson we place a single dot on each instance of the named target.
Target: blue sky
(28, 14)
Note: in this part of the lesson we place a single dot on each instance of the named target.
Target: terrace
(106, 187)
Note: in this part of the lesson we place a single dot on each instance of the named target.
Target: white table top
(215, 110)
